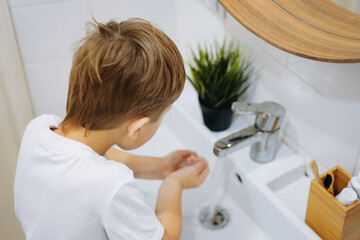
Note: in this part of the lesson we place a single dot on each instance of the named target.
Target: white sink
(265, 205)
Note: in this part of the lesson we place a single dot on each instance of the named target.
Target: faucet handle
(269, 115)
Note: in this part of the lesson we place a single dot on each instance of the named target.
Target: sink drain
(214, 219)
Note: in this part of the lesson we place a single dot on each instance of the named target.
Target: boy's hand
(191, 176)
(176, 160)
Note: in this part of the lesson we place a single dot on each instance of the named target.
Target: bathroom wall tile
(160, 12)
(196, 24)
(48, 84)
(20, 3)
(60, 112)
(338, 82)
(214, 7)
(233, 25)
(357, 169)
(48, 31)
(209, 4)
(302, 153)
(318, 125)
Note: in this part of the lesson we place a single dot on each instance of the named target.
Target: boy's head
(122, 71)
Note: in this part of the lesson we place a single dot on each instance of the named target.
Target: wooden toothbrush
(315, 170)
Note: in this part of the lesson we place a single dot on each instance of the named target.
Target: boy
(70, 183)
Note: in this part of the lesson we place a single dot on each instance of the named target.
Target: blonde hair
(122, 70)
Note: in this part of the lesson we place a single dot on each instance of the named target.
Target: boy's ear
(136, 125)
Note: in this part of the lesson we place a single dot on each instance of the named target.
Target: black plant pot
(216, 119)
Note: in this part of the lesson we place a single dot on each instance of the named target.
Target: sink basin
(262, 199)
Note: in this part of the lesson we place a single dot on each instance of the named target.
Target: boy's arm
(154, 167)
(168, 206)
(143, 167)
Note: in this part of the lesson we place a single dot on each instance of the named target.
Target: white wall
(322, 99)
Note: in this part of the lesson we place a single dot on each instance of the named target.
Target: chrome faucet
(263, 135)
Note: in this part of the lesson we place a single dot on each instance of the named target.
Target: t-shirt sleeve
(128, 217)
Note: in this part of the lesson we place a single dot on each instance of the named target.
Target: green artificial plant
(220, 74)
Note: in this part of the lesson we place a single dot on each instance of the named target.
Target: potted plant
(220, 75)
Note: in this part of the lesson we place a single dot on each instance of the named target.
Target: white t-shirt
(65, 190)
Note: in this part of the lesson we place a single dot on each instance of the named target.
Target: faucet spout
(238, 140)
(263, 135)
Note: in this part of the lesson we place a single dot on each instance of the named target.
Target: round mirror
(316, 29)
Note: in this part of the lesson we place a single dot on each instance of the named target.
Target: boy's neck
(99, 140)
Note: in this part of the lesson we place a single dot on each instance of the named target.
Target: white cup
(354, 183)
(347, 196)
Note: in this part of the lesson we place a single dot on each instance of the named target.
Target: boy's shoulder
(109, 171)
(68, 167)
(40, 121)
(39, 142)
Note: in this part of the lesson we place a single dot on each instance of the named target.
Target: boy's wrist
(161, 169)
(174, 180)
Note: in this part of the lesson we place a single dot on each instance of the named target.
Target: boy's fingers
(188, 153)
(201, 165)
(203, 174)
(193, 158)
(191, 152)
(197, 158)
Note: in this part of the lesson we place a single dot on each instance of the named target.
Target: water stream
(217, 184)
(213, 215)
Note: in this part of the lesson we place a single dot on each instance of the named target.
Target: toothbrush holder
(328, 217)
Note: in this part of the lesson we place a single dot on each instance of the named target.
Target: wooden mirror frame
(316, 29)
